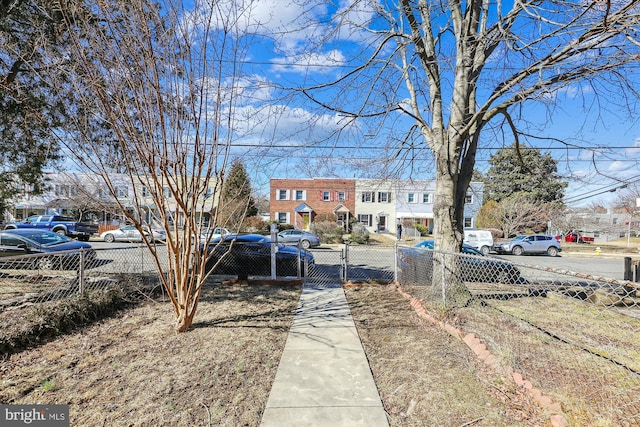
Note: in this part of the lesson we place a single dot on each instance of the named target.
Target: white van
(482, 240)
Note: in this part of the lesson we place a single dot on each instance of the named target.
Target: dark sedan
(475, 268)
(65, 252)
(250, 255)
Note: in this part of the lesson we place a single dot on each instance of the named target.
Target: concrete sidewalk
(323, 378)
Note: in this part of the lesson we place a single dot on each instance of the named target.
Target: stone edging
(557, 418)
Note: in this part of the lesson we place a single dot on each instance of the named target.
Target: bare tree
(455, 68)
(519, 214)
(165, 81)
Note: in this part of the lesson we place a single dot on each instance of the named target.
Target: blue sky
(281, 134)
(575, 119)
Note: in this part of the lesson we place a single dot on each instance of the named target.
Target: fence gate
(358, 263)
(369, 263)
(328, 268)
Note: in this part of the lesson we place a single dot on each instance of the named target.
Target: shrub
(359, 234)
(255, 224)
(329, 231)
(422, 229)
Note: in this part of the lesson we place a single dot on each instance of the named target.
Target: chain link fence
(576, 336)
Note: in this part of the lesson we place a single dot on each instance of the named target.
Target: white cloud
(635, 150)
(316, 62)
(354, 18)
(278, 123)
(288, 24)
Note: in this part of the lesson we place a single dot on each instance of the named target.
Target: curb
(474, 343)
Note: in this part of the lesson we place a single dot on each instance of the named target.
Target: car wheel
(109, 238)
(305, 244)
(552, 251)
(517, 250)
(485, 250)
(61, 232)
(45, 263)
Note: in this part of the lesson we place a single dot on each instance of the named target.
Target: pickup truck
(64, 225)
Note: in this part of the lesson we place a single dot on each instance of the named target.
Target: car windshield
(518, 238)
(47, 239)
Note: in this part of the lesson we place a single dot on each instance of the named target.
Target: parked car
(482, 240)
(530, 244)
(130, 233)
(250, 255)
(17, 242)
(478, 268)
(307, 240)
(578, 238)
(213, 233)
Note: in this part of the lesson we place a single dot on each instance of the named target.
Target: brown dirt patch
(134, 370)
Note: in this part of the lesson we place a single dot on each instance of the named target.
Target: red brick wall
(314, 196)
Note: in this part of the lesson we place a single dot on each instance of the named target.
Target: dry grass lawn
(132, 369)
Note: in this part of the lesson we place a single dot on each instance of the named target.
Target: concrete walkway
(323, 378)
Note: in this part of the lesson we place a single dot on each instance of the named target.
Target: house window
(326, 196)
(384, 197)
(367, 196)
(282, 195)
(468, 222)
(364, 219)
(208, 194)
(468, 199)
(615, 221)
(103, 193)
(123, 192)
(427, 198)
(145, 192)
(167, 193)
(300, 195)
(342, 196)
(282, 217)
(63, 190)
(411, 198)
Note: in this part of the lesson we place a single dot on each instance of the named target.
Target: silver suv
(529, 244)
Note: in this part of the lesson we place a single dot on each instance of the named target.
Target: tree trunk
(448, 215)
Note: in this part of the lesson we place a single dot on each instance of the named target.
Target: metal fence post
(81, 272)
(299, 258)
(395, 261)
(345, 262)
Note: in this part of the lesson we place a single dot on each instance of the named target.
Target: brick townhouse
(300, 201)
(378, 204)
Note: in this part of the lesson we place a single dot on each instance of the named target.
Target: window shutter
(288, 217)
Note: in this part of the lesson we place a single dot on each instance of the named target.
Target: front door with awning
(303, 211)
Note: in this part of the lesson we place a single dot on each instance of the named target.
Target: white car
(130, 234)
(214, 233)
